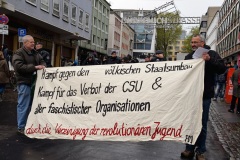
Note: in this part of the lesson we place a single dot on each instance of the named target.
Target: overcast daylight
(186, 7)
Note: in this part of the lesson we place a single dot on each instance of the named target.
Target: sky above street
(187, 8)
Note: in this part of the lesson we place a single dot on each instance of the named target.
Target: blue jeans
(219, 90)
(2, 88)
(23, 107)
(201, 140)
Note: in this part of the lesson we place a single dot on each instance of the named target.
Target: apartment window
(94, 39)
(100, 7)
(104, 10)
(177, 48)
(45, 5)
(95, 21)
(33, 2)
(98, 41)
(65, 9)
(107, 13)
(96, 3)
(103, 26)
(102, 42)
(106, 28)
(99, 24)
(56, 8)
(80, 18)
(204, 24)
(74, 14)
(87, 23)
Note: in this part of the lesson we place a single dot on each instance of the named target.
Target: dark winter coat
(156, 59)
(213, 66)
(24, 63)
(236, 86)
(4, 72)
(46, 56)
(114, 60)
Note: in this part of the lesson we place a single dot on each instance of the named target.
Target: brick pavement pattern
(227, 127)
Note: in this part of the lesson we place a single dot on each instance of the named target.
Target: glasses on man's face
(195, 42)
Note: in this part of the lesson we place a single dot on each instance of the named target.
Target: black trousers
(233, 103)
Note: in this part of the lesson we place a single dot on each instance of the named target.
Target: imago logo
(3, 19)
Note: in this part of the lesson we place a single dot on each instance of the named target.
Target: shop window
(33, 2)
(45, 5)
(56, 8)
(65, 10)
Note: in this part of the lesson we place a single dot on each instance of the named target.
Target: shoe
(187, 154)
(222, 99)
(230, 110)
(200, 157)
(214, 99)
(20, 131)
(238, 112)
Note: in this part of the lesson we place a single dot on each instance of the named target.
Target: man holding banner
(213, 64)
(26, 62)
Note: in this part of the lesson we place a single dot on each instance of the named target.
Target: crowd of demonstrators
(26, 61)
(213, 64)
(4, 74)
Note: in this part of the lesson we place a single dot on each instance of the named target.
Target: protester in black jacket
(90, 60)
(213, 64)
(114, 59)
(158, 56)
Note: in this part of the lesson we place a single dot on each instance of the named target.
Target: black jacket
(156, 59)
(213, 66)
(114, 60)
(24, 63)
(46, 56)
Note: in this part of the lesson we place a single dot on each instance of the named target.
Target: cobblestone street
(227, 127)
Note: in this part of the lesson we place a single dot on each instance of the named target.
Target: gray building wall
(35, 11)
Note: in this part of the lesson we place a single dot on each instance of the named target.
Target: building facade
(99, 35)
(207, 19)
(58, 24)
(145, 34)
(228, 30)
(176, 47)
(211, 34)
(120, 37)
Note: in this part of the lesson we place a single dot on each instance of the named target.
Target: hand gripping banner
(122, 102)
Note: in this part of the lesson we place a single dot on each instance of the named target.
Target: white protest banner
(122, 102)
